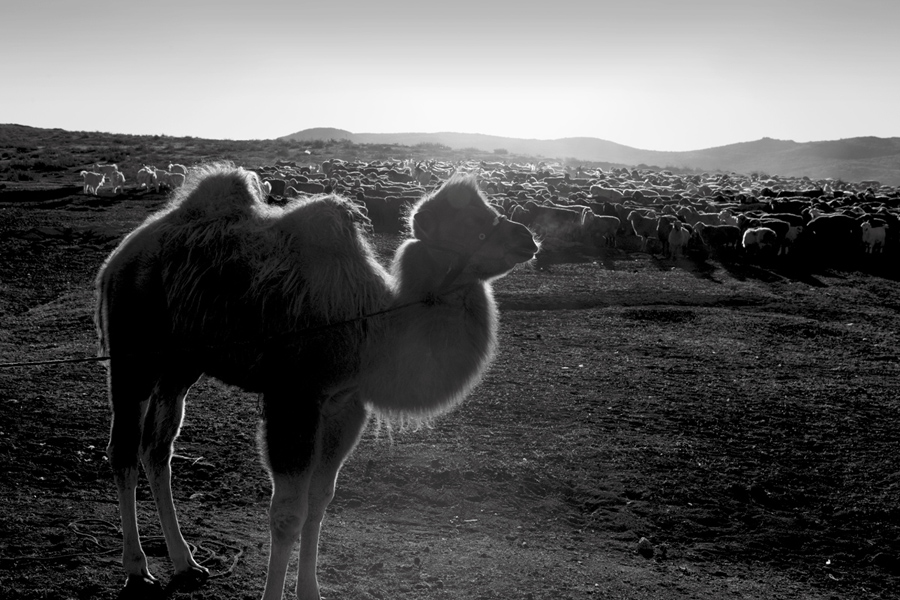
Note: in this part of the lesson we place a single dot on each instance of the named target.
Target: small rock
(645, 548)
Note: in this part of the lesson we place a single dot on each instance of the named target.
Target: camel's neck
(426, 355)
(424, 273)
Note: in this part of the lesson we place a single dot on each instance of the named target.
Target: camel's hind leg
(146, 415)
(161, 424)
(342, 422)
(130, 390)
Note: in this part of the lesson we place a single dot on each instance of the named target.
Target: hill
(853, 159)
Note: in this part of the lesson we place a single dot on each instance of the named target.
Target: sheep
(790, 239)
(531, 212)
(759, 240)
(92, 181)
(643, 226)
(834, 235)
(146, 177)
(397, 176)
(600, 227)
(107, 169)
(678, 239)
(873, 236)
(780, 227)
(559, 226)
(117, 181)
(306, 187)
(176, 180)
(720, 238)
(423, 175)
(276, 187)
(162, 178)
(787, 217)
(169, 180)
(663, 227)
(178, 169)
(692, 217)
(598, 191)
(726, 217)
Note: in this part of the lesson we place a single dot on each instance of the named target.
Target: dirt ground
(743, 420)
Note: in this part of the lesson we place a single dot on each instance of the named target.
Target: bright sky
(652, 74)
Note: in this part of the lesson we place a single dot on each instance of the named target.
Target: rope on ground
(77, 527)
(213, 556)
(58, 361)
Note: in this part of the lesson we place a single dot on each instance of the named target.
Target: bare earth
(741, 419)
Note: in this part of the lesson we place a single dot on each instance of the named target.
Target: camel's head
(457, 219)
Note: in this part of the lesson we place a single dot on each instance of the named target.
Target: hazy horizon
(650, 75)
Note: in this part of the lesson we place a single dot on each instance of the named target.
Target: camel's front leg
(289, 428)
(342, 422)
(287, 514)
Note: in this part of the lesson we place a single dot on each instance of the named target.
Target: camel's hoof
(141, 587)
(191, 579)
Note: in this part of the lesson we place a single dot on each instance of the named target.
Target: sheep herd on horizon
(589, 211)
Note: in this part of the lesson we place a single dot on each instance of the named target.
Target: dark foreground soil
(744, 420)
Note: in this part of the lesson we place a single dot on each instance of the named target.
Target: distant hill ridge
(852, 159)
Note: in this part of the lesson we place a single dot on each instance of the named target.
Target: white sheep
(117, 181)
(92, 181)
(175, 180)
(162, 178)
(873, 236)
(178, 169)
(146, 177)
(107, 170)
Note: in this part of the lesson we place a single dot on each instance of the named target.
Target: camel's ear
(424, 224)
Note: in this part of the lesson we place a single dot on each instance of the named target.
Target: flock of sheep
(587, 210)
(108, 175)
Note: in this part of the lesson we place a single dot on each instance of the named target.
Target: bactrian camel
(291, 303)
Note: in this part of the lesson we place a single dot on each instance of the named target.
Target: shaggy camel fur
(290, 302)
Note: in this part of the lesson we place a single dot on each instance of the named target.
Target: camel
(291, 303)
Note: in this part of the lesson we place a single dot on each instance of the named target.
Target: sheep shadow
(801, 267)
(805, 267)
(696, 265)
(770, 270)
